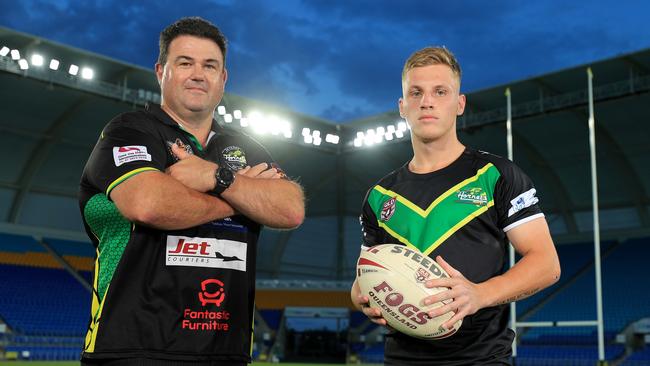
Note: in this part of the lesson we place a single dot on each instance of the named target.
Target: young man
(461, 207)
(174, 204)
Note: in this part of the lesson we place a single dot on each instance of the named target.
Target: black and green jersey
(461, 212)
(167, 295)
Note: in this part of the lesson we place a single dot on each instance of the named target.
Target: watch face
(226, 177)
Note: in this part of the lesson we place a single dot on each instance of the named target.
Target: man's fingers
(269, 174)
(450, 323)
(244, 170)
(453, 272)
(257, 169)
(441, 282)
(178, 149)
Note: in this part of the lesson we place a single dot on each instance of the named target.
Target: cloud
(342, 60)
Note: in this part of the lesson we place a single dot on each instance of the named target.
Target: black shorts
(156, 362)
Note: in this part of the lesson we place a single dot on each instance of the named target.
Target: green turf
(76, 363)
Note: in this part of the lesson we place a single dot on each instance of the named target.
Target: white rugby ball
(393, 278)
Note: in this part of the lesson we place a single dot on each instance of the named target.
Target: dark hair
(191, 26)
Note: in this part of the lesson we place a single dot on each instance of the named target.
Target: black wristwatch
(224, 177)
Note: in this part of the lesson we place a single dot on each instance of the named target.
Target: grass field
(76, 363)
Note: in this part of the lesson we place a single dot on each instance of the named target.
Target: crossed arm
(538, 268)
(177, 199)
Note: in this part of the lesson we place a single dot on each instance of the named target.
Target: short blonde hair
(432, 56)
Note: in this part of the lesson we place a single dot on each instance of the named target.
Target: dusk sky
(341, 60)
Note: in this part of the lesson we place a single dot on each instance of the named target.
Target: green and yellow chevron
(427, 229)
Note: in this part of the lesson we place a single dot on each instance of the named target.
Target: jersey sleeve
(371, 233)
(122, 152)
(516, 198)
(256, 154)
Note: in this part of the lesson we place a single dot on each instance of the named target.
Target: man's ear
(159, 69)
(461, 104)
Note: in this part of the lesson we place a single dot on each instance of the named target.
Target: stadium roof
(51, 120)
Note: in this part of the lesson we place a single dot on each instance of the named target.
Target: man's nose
(426, 101)
(197, 72)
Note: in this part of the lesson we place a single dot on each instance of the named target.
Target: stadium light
(227, 118)
(54, 64)
(243, 122)
(221, 110)
(306, 131)
(389, 136)
(399, 134)
(273, 125)
(15, 55)
(380, 130)
(4, 51)
(88, 74)
(256, 120)
(360, 135)
(369, 140)
(237, 114)
(332, 139)
(390, 129)
(308, 139)
(401, 126)
(73, 70)
(285, 128)
(317, 141)
(37, 60)
(358, 142)
(23, 64)
(316, 133)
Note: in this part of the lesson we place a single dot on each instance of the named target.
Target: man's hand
(464, 295)
(374, 314)
(261, 170)
(362, 303)
(192, 171)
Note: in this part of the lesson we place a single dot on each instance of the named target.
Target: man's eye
(416, 93)
(441, 92)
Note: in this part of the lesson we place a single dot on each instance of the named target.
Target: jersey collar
(165, 118)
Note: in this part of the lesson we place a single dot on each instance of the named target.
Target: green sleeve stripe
(127, 176)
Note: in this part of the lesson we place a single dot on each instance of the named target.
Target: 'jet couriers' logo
(473, 196)
(388, 209)
(211, 294)
(205, 252)
(234, 157)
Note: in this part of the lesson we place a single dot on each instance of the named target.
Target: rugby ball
(393, 278)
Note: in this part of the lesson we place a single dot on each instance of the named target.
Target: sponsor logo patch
(473, 196)
(388, 209)
(234, 157)
(211, 294)
(205, 252)
(127, 154)
(522, 201)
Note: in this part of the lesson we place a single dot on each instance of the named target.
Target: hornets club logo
(388, 209)
(234, 157)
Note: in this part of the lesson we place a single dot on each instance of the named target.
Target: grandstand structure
(51, 118)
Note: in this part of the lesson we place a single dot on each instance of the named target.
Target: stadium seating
(46, 309)
(639, 358)
(44, 306)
